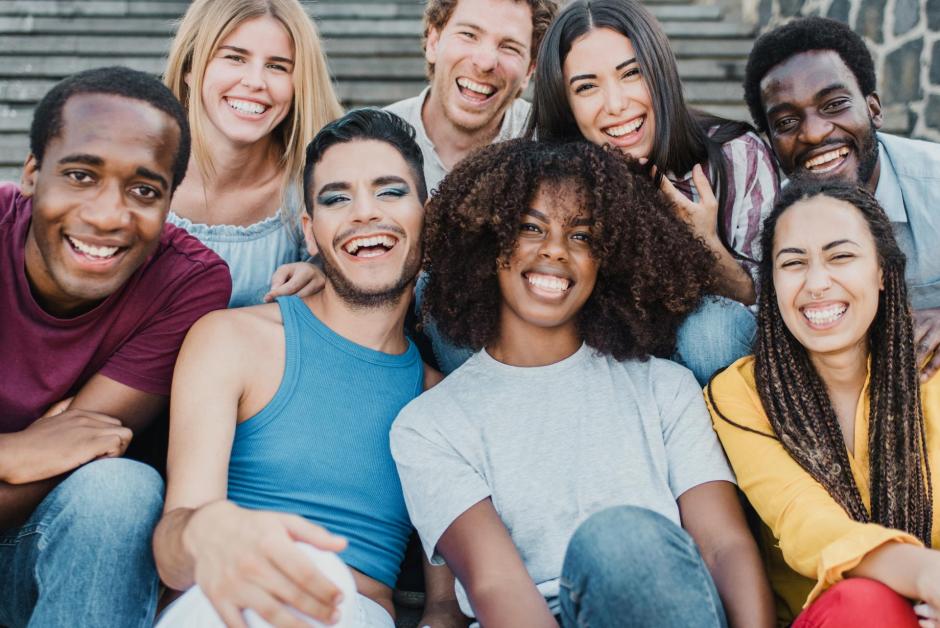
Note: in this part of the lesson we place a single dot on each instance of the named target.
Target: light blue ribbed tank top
(320, 448)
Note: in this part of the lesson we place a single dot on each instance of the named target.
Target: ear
(874, 109)
(528, 77)
(430, 47)
(307, 225)
(29, 175)
(188, 79)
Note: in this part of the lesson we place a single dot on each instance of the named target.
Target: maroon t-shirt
(132, 337)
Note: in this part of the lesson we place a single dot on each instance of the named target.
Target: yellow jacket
(809, 541)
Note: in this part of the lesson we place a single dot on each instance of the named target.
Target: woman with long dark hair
(831, 435)
(606, 73)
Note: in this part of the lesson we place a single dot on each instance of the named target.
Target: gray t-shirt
(409, 110)
(551, 446)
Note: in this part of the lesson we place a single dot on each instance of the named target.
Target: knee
(112, 494)
(719, 332)
(858, 602)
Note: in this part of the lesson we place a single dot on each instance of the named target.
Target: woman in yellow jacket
(831, 433)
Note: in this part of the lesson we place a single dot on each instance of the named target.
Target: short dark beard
(383, 298)
(868, 156)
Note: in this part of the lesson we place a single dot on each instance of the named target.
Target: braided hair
(797, 402)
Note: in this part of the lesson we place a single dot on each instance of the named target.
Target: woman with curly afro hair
(555, 470)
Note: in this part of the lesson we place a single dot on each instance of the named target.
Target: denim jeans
(83, 558)
(716, 334)
(628, 566)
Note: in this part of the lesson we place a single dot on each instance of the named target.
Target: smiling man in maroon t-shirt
(97, 295)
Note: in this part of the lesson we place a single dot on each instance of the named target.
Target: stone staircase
(373, 48)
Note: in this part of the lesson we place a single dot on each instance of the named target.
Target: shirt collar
(888, 192)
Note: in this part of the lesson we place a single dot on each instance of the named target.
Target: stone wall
(904, 38)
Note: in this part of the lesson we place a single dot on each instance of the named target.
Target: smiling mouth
(829, 160)
(477, 92)
(824, 316)
(548, 283)
(246, 107)
(622, 130)
(370, 246)
(93, 252)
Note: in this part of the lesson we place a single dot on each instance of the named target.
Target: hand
(927, 584)
(57, 443)
(300, 278)
(247, 559)
(927, 616)
(443, 616)
(59, 407)
(703, 216)
(927, 339)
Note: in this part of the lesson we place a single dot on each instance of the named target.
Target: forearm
(742, 585)
(896, 565)
(175, 564)
(496, 605)
(733, 281)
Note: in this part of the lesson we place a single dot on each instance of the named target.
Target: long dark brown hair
(797, 403)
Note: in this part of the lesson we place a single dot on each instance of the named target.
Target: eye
(392, 192)
(580, 88)
(79, 176)
(837, 104)
(842, 257)
(581, 236)
(279, 67)
(631, 73)
(237, 58)
(335, 199)
(467, 35)
(146, 192)
(512, 48)
(791, 263)
(528, 228)
(784, 124)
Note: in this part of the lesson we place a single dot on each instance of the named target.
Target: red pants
(858, 603)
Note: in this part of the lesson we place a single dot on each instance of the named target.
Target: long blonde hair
(206, 24)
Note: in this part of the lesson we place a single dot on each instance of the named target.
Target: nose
(485, 57)
(817, 280)
(554, 247)
(253, 76)
(814, 129)
(614, 100)
(107, 211)
(364, 209)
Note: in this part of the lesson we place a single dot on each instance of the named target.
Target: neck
(451, 142)
(380, 329)
(229, 166)
(844, 371)
(522, 344)
(872, 184)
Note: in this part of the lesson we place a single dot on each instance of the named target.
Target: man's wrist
(9, 461)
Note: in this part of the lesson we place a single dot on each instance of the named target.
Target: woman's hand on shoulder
(300, 278)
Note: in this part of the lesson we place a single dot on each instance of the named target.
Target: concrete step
(397, 27)
(22, 72)
(357, 9)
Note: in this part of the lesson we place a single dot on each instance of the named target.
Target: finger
(705, 193)
(231, 615)
(922, 326)
(290, 593)
(95, 419)
(59, 407)
(925, 611)
(928, 344)
(302, 530)
(114, 441)
(281, 275)
(271, 610)
(304, 573)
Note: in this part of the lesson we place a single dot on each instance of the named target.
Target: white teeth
(245, 106)
(548, 282)
(623, 129)
(101, 252)
(357, 243)
(485, 90)
(826, 157)
(826, 315)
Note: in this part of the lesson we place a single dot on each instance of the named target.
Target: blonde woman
(255, 84)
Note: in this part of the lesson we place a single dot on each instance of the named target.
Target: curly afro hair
(652, 270)
(804, 35)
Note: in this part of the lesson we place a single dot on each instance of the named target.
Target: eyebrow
(150, 174)
(389, 179)
(831, 245)
(581, 77)
(82, 158)
(246, 52)
(577, 222)
(825, 91)
(477, 28)
(342, 186)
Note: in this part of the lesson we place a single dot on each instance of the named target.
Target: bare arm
(97, 423)
(912, 571)
(713, 517)
(479, 550)
(441, 609)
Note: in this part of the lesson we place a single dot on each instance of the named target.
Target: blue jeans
(628, 566)
(716, 334)
(84, 557)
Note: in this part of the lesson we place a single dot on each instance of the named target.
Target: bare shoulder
(224, 335)
(432, 377)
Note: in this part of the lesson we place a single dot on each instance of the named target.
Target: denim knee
(117, 494)
(716, 334)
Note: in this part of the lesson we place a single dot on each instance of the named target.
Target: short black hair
(804, 35)
(367, 123)
(117, 81)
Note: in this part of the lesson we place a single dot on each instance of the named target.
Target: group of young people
(578, 269)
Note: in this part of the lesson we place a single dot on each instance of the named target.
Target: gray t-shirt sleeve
(692, 449)
(439, 480)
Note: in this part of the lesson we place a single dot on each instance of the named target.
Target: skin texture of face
(819, 122)
(482, 62)
(100, 198)
(551, 273)
(827, 275)
(609, 97)
(366, 222)
(248, 87)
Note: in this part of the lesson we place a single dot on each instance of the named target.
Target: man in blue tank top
(283, 503)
